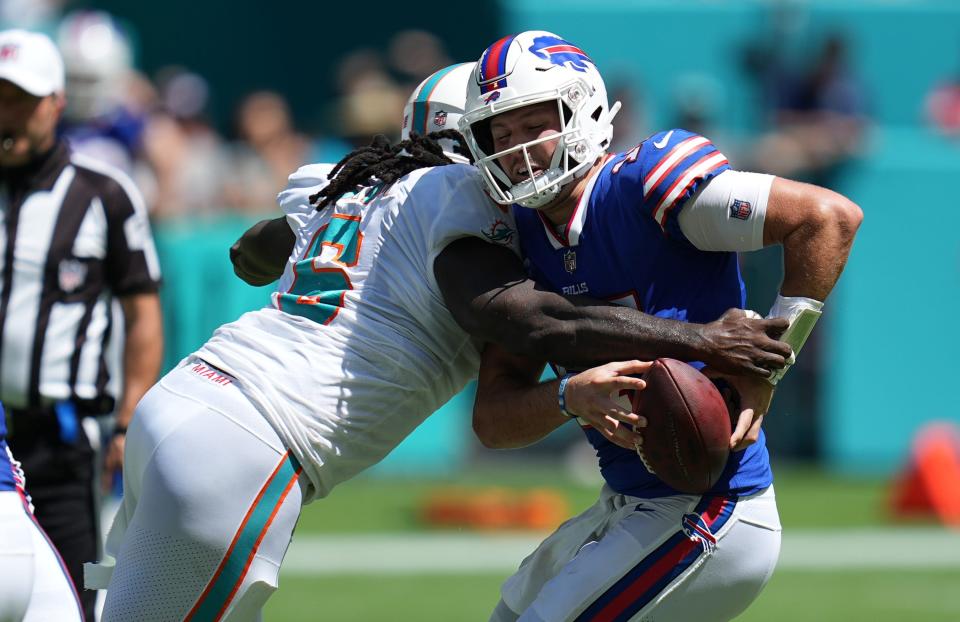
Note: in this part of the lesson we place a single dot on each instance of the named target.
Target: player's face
(524, 125)
(27, 124)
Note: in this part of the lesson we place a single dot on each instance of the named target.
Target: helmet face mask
(536, 67)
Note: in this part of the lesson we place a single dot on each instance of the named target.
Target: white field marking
(855, 549)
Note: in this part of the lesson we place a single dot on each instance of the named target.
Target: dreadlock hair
(386, 163)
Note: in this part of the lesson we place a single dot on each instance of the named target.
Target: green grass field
(808, 500)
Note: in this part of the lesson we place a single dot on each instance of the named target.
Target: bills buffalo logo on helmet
(559, 52)
(492, 97)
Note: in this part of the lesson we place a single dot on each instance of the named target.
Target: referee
(80, 324)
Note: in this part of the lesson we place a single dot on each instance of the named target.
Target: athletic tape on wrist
(802, 314)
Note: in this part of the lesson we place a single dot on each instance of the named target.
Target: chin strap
(802, 313)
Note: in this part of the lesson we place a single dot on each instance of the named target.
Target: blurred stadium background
(210, 106)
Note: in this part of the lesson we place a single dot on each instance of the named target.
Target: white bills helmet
(530, 68)
(437, 104)
(98, 58)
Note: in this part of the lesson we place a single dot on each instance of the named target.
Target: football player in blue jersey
(656, 228)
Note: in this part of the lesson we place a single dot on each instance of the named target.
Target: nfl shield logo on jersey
(71, 275)
(440, 118)
(570, 261)
(740, 209)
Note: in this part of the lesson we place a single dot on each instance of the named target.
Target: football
(687, 439)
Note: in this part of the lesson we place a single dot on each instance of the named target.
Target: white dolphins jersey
(357, 348)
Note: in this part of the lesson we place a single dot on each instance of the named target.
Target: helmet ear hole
(596, 113)
(483, 135)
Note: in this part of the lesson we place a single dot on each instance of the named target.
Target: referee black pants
(60, 479)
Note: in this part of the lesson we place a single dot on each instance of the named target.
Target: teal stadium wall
(890, 354)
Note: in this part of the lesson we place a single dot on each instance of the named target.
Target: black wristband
(119, 429)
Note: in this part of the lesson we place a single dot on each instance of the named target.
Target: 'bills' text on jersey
(623, 243)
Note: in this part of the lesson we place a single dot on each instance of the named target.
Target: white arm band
(802, 313)
(728, 213)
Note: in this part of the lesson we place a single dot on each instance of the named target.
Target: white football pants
(34, 585)
(671, 559)
(211, 497)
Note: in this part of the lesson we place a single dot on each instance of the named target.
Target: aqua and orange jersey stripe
(221, 589)
(642, 583)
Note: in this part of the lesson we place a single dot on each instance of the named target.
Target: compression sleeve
(728, 213)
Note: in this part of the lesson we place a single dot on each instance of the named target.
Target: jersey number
(317, 292)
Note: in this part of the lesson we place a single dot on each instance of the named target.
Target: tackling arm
(499, 304)
(261, 253)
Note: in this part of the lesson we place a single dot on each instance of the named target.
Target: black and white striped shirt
(74, 235)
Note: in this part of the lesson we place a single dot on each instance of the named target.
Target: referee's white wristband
(562, 396)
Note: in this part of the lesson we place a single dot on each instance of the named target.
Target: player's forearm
(512, 408)
(499, 304)
(593, 335)
(579, 333)
(143, 351)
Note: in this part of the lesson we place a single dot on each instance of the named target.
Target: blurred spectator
(630, 123)
(185, 154)
(942, 107)
(819, 119)
(101, 120)
(414, 55)
(696, 104)
(32, 14)
(269, 149)
(371, 102)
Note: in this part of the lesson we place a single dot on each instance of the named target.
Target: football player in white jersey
(365, 337)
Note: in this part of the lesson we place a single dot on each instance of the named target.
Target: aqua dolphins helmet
(437, 104)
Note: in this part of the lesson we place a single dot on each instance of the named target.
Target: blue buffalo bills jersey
(623, 243)
(10, 475)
